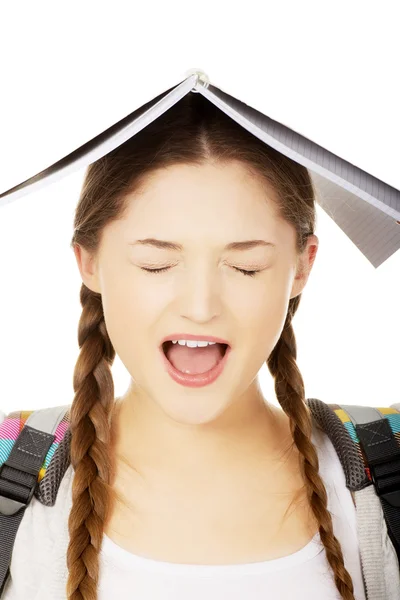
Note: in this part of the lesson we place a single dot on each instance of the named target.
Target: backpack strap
(367, 441)
(32, 462)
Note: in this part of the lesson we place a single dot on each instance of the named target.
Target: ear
(304, 265)
(88, 268)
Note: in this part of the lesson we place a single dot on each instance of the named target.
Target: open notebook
(365, 208)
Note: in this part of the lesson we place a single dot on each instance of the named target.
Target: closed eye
(248, 273)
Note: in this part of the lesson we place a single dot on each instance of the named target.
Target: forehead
(223, 189)
(205, 203)
(232, 175)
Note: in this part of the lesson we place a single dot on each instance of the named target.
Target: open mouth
(195, 367)
(197, 360)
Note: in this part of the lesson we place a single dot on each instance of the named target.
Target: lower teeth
(186, 372)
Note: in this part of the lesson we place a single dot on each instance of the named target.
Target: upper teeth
(191, 343)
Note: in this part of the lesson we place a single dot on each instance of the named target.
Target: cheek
(132, 312)
(128, 316)
(262, 317)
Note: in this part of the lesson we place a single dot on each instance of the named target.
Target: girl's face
(201, 209)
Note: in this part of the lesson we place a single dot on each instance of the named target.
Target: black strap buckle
(386, 479)
(16, 499)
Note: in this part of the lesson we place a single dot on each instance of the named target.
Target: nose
(200, 297)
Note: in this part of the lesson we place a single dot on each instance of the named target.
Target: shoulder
(41, 543)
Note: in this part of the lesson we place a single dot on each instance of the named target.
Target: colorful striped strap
(12, 426)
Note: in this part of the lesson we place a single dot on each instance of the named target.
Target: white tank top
(304, 575)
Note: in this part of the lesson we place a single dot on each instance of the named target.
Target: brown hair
(193, 131)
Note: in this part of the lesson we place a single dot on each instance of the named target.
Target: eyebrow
(163, 245)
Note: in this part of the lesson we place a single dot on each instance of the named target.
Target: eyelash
(247, 273)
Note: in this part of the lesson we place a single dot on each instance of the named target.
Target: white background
(328, 70)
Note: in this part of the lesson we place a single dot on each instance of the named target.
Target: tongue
(194, 360)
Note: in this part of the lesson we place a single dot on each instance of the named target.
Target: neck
(251, 431)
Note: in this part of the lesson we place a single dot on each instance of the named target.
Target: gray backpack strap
(378, 543)
(367, 442)
(19, 475)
